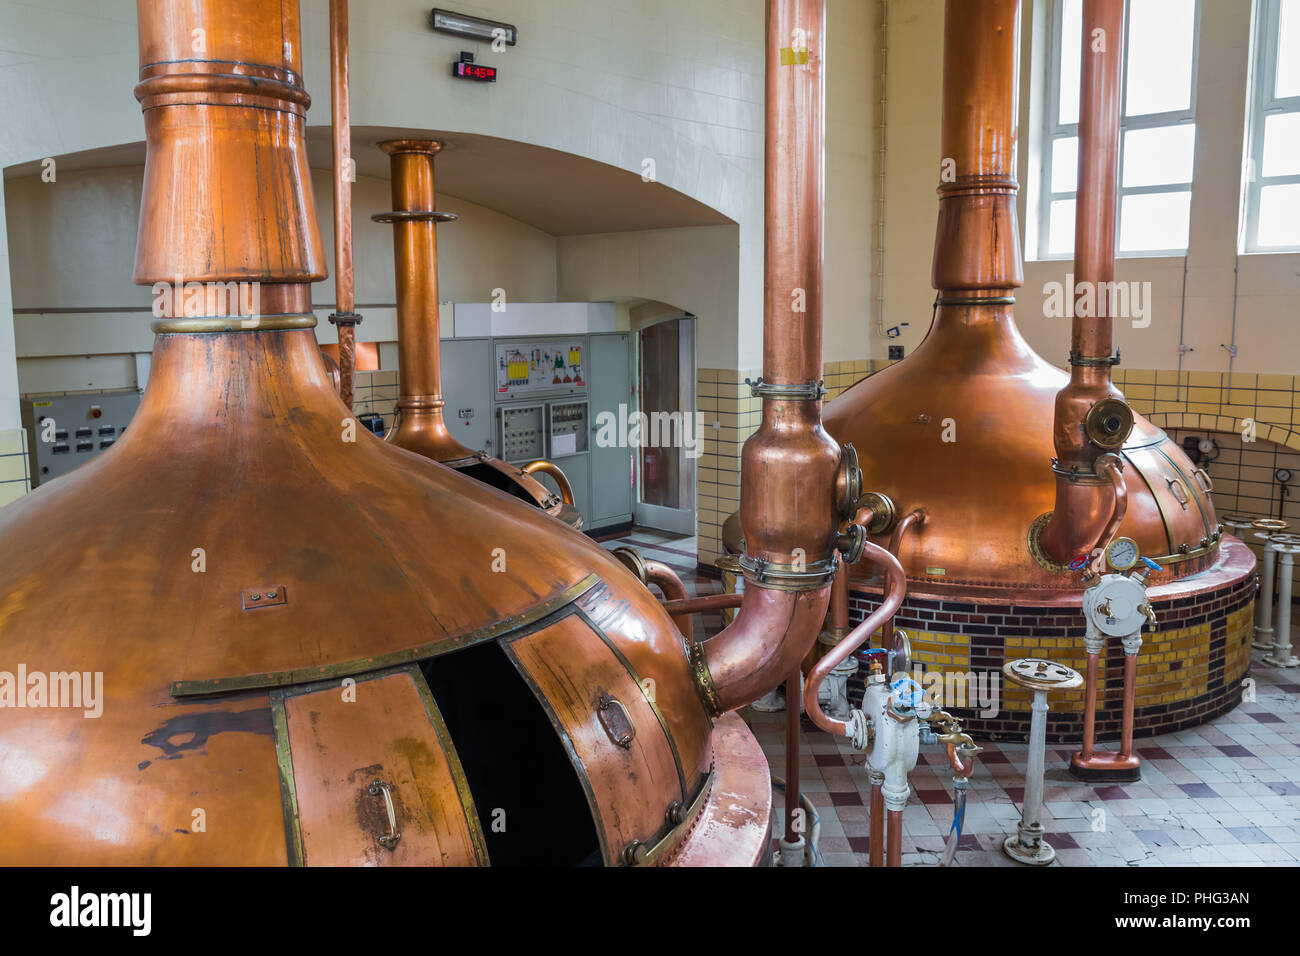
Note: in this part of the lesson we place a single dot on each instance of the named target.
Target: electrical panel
(67, 430)
(522, 432)
(568, 428)
(540, 367)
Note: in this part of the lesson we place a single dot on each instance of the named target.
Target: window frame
(1264, 103)
(1053, 130)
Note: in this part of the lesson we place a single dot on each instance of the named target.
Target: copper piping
(914, 517)
(705, 602)
(667, 580)
(1090, 710)
(959, 768)
(1130, 698)
(895, 589)
(1080, 510)
(790, 467)
(839, 614)
(345, 316)
(554, 470)
(1113, 466)
(791, 755)
(421, 425)
(876, 843)
(894, 845)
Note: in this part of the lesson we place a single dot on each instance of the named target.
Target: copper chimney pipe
(421, 423)
(794, 477)
(1091, 416)
(345, 316)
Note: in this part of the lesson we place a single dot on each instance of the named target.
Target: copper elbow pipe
(566, 489)
(344, 287)
(909, 520)
(894, 591)
(666, 579)
(958, 767)
(1114, 467)
(762, 646)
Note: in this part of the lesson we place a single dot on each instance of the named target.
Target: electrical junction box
(68, 429)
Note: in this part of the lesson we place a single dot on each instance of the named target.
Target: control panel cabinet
(522, 432)
(67, 430)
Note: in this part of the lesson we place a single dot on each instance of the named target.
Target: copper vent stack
(422, 424)
(960, 434)
(297, 625)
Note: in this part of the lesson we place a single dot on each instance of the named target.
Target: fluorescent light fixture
(476, 28)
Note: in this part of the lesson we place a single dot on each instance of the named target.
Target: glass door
(669, 440)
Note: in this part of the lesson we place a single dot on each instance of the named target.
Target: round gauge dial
(1283, 475)
(1122, 554)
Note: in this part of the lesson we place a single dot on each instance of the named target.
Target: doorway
(670, 441)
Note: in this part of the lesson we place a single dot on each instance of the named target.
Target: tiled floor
(1226, 793)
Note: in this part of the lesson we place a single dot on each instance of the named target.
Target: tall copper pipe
(1081, 509)
(894, 851)
(345, 315)
(422, 424)
(791, 469)
(908, 521)
(1090, 709)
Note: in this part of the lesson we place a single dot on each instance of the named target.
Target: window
(1273, 158)
(1157, 129)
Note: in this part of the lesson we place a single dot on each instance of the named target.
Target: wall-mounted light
(476, 28)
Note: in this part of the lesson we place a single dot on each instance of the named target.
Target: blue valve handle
(1079, 563)
(916, 696)
(1151, 564)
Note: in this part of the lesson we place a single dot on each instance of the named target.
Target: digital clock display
(474, 71)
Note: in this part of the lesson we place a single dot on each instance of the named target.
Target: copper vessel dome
(971, 427)
(317, 647)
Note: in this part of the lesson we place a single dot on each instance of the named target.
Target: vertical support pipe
(1281, 655)
(1130, 699)
(792, 835)
(345, 316)
(894, 842)
(1264, 633)
(1090, 707)
(1027, 844)
(1083, 429)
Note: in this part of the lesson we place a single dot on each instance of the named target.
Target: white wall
(1268, 287)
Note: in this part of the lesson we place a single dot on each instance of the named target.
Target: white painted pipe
(1264, 610)
(1281, 655)
(1028, 845)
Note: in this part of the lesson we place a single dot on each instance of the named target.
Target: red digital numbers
(473, 71)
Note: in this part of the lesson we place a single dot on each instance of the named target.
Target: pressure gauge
(1122, 554)
(1283, 475)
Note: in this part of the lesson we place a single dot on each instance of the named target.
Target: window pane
(1281, 145)
(1279, 215)
(1160, 55)
(1288, 50)
(1071, 38)
(1155, 221)
(1060, 232)
(1065, 164)
(1159, 156)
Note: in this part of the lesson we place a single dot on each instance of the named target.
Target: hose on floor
(958, 819)
(811, 855)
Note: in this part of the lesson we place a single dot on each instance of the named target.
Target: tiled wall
(15, 480)
(1219, 405)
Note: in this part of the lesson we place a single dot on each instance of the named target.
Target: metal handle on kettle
(389, 840)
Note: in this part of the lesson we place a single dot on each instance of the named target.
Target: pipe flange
(1109, 423)
(704, 680)
(790, 577)
(1036, 546)
(345, 318)
(633, 560)
(1080, 360)
(414, 215)
(806, 392)
(850, 484)
(851, 543)
(883, 512)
